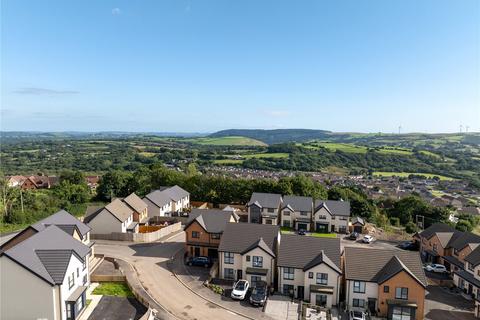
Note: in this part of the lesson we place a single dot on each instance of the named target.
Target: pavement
(150, 262)
(441, 304)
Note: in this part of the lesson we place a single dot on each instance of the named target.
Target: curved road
(150, 261)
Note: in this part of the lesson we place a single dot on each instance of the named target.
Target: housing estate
(204, 230)
(387, 283)
(296, 212)
(45, 276)
(114, 217)
(264, 207)
(309, 269)
(331, 216)
(248, 251)
(139, 207)
(468, 279)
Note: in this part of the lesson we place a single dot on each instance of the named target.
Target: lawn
(406, 174)
(117, 289)
(228, 141)
(323, 235)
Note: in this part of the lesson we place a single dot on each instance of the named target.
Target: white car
(356, 315)
(367, 239)
(240, 290)
(436, 268)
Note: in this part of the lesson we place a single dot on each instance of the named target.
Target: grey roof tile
(266, 200)
(304, 252)
(36, 253)
(62, 218)
(336, 208)
(239, 237)
(158, 198)
(298, 203)
(119, 209)
(212, 220)
(373, 265)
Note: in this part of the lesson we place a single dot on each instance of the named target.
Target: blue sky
(201, 66)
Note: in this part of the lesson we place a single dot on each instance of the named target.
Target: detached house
(264, 207)
(180, 198)
(44, 277)
(139, 207)
(114, 217)
(63, 220)
(331, 216)
(204, 230)
(248, 251)
(387, 283)
(309, 269)
(296, 212)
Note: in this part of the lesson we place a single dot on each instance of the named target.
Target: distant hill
(275, 136)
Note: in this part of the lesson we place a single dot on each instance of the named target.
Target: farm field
(252, 156)
(227, 141)
(406, 174)
(352, 148)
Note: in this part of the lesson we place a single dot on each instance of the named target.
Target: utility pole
(419, 224)
(21, 198)
(466, 129)
(461, 127)
(399, 129)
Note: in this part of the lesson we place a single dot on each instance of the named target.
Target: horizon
(343, 66)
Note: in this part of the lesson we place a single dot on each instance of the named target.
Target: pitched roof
(158, 198)
(434, 228)
(46, 253)
(360, 220)
(239, 237)
(445, 237)
(474, 257)
(175, 193)
(381, 266)
(119, 209)
(298, 203)
(464, 239)
(135, 202)
(336, 208)
(265, 200)
(306, 252)
(64, 221)
(212, 220)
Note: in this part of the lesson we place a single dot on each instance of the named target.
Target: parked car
(200, 262)
(353, 236)
(259, 294)
(434, 267)
(240, 289)
(408, 245)
(302, 232)
(367, 239)
(357, 315)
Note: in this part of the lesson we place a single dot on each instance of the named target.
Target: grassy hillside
(228, 141)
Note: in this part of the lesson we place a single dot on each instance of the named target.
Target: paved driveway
(440, 304)
(150, 261)
(118, 308)
(282, 308)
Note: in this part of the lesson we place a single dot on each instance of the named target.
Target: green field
(406, 174)
(352, 148)
(227, 141)
(251, 156)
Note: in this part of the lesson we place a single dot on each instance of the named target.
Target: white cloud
(116, 11)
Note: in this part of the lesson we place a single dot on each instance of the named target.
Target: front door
(197, 251)
(239, 274)
(213, 254)
(70, 310)
(470, 288)
(372, 306)
(332, 228)
(300, 292)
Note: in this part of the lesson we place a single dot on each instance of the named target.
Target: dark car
(200, 262)
(353, 236)
(302, 232)
(408, 245)
(259, 294)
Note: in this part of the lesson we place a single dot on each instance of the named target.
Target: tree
(464, 225)
(113, 184)
(73, 177)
